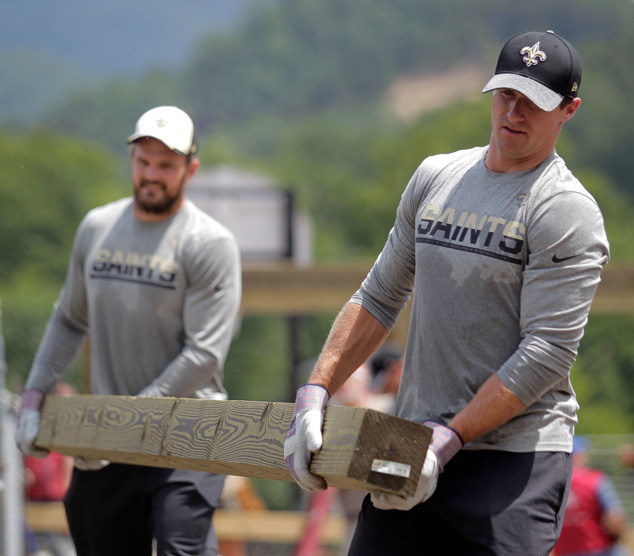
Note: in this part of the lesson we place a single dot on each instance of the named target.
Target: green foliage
(603, 136)
(603, 376)
(106, 115)
(305, 56)
(25, 311)
(260, 343)
(617, 212)
(329, 166)
(264, 364)
(47, 185)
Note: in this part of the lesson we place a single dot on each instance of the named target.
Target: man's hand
(28, 425)
(151, 391)
(426, 487)
(445, 443)
(85, 464)
(304, 437)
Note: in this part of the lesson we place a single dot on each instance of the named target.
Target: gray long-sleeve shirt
(503, 269)
(159, 301)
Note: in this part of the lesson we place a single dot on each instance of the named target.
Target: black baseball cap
(541, 65)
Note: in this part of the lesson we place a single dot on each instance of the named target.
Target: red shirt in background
(47, 478)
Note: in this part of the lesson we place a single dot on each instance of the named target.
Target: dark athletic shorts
(486, 503)
(118, 510)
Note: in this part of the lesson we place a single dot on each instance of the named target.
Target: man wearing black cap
(155, 283)
(502, 249)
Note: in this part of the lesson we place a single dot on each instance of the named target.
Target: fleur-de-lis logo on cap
(533, 55)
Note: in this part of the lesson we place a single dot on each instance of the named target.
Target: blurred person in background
(373, 385)
(626, 455)
(595, 520)
(155, 283)
(355, 392)
(386, 366)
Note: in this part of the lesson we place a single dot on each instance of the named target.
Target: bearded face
(159, 176)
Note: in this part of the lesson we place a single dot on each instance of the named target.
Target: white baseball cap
(170, 125)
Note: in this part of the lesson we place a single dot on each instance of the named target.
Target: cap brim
(139, 135)
(541, 95)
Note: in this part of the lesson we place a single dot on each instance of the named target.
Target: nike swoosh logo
(556, 259)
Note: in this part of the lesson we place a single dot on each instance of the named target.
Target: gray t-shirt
(158, 300)
(503, 269)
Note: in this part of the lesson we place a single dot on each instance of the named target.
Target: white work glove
(28, 425)
(304, 437)
(85, 464)
(151, 391)
(445, 444)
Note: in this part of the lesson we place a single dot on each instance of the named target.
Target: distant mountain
(117, 36)
(32, 81)
(50, 48)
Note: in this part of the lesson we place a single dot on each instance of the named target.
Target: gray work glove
(445, 444)
(28, 425)
(304, 437)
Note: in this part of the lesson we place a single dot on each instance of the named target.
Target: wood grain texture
(232, 437)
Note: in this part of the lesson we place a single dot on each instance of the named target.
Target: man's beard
(156, 206)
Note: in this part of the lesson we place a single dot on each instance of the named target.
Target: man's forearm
(493, 405)
(354, 336)
(59, 347)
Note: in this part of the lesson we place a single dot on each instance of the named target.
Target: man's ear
(193, 165)
(570, 108)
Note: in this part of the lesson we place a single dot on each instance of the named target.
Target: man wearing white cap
(501, 249)
(155, 283)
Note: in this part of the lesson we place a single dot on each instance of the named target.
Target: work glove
(445, 444)
(86, 464)
(304, 437)
(151, 391)
(28, 425)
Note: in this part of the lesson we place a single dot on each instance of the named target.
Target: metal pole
(11, 484)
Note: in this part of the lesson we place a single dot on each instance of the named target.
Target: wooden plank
(284, 288)
(231, 525)
(233, 437)
(274, 526)
(615, 294)
(46, 517)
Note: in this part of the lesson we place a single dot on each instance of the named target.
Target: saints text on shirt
(134, 267)
(484, 234)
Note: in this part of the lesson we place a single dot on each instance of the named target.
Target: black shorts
(119, 509)
(486, 503)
